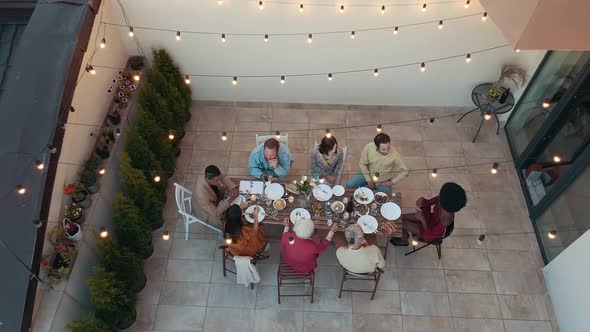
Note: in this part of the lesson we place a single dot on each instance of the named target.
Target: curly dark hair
(233, 223)
(327, 144)
(452, 197)
(381, 138)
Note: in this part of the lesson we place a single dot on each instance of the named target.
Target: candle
(253, 198)
(330, 222)
(291, 199)
(345, 200)
(345, 215)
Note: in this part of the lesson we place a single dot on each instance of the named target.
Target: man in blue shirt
(269, 159)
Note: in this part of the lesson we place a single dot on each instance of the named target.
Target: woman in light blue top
(327, 160)
(269, 159)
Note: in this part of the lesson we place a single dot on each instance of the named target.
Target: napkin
(252, 187)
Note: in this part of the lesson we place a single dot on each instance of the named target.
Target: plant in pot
(108, 136)
(136, 62)
(123, 262)
(102, 150)
(113, 302)
(115, 114)
(93, 164)
(79, 194)
(73, 231)
(131, 228)
(88, 324)
(89, 180)
(58, 264)
(73, 212)
(163, 151)
(515, 73)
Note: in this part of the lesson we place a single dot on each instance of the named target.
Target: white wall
(444, 83)
(566, 277)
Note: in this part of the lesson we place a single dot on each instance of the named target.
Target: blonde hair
(304, 228)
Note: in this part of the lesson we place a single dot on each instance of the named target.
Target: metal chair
(286, 273)
(184, 203)
(227, 255)
(374, 276)
(344, 153)
(283, 139)
(437, 242)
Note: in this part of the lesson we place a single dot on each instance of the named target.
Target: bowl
(279, 204)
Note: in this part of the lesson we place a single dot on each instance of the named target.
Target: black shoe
(396, 241)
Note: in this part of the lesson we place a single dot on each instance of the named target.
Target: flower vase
(303, 200)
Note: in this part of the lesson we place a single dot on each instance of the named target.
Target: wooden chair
(437, 242)
(227, 255)
(286, 273)
(184, 203)
(374, 276)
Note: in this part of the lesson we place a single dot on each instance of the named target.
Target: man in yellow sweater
(381, 166)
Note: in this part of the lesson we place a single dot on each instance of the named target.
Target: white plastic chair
(184, 196)
(284, 139)
(344, 152)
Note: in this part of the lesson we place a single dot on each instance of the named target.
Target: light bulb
(282, 79)
(265, 38)
(234, 80)
(228, 240)
(375, 72)
(376, 177)
(423, 67)
(414, 243)
(223, 37)
(51, 148)
(556, 158)
(379, 128)
(431, 120)
(487, 115)
(136, 77)
(260, 5)
(484, 16)
(546, 103)
(309, 38)
(187, 79)
(396, 30)
(224, 136)
(468, 58)
(131, 34)
(177, 35)
(552, 234)
(440, 24)
(328, 133)
(494, 169)
(166, 235)
(301, 8)
(90, 69)
(39, 165)
(434, 172)
(157, 178)
(342, 8)
(382, 9)
(103, 43)
(102, 171)
(352, 35)
(467, 4)
(277, 134)
(171, 135)
(330, 77)
(20, 189)
(103, 232)
(291, 240)
(220, 2)
(424, 7)
(517, 50)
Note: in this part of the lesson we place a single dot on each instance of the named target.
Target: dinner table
(293, 200)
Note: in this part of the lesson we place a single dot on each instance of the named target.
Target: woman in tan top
(247, 239)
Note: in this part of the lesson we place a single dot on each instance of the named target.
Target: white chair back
(184, 203)
(344, 153)
(284, 139)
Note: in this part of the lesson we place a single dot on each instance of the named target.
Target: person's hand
(256, 210)
(244, 205)
(274, 163)
(371, 185)
(232, 195)
(420, 216)
(334, 227)
(420, 202)
(331, 179)
(286, 222)
(387, 183)
(234, 191)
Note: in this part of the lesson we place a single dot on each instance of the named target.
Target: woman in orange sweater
(247, 239)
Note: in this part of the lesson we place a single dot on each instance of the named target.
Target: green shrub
(157, 105)
(122, 262)
(152, 133)
(88, 324)
(93, 164)
(165, 65)
(144, 159)
(114, 304)
(131, 227)
(88, 178)
(176, 106)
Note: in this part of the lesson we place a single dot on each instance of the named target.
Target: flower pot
(85, 203)
(115, 118)
(149, 251)
(127, 324)
(142, 283)
(77, 218)
(78, 230)
(93, 189)
(177, 152)
(102, 152)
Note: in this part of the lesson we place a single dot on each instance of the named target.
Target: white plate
(368, 224)
(381, 194)
(274, 191)
(336, 204)
(238, 200)
(249, 210)
(338, 190)
(321, 195)
(303, 214)
(391, 211)
(365, 191)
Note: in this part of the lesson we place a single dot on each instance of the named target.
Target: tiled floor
(496, 286)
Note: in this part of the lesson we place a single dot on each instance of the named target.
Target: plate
(391, 211)
(338, 203)
(379, 194)
(321, 195)
(249, 210)
(303, 214)
(238, 200)
(338, 190)
(358, 209)
(368, 224)
(274, 191)
(363, 191)
(278, 203)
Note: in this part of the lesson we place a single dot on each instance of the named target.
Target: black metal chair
(437, 242)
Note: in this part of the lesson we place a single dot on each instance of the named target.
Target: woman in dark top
(247, 239)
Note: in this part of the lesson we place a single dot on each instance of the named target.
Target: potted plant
(131, 228)
(108, 136)
(124, 263)
(515, 73)
(58, 264)
(79, 195)
(113, 302)
(115, 114)
(93, 164)
(89, 180)
(88, 324)
(73, 231)
(102, 151)
(136, 62)
(73, 212)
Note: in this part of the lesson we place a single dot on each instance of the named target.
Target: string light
(517, 50)
(38, 223)
(177, 35)
(379, 128)
(556, 158)
(228, 239)
(552, 234)
(39, 165)
(260, 5)
(277, 134)
(102, 171)
(396, 30)
(51, 148)
(117, 132)
(223, 37)
(224, 136)
(382, 9)
(328, 133)
(187, 79)
(423, 67)
(171, 134)
(265, 38)
(352, 35)
(71, 109)
(431, 120)
(301, 8)
(103, 43)
(234, 81)
(282, 79)
(414, 243)
(484, 17)
(487, 115)
(330, 77)
(20, 189)
(468, 58)
(467, 4)
(424, 7)
(494, 169)
(376, 177)
(157, 179)
(136, 77)
(546, 103)
(90, 69)
(321, 179)
(376, 72)
(131, 34)
(166, 235)
(440, 24)
(342, 8)
(103, 232)
(309, 38)
(220, 2)
(434, 172)
(291, 240)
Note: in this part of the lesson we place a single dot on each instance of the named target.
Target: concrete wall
(445, 83)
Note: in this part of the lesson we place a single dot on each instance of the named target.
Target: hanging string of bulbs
(382, 7)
